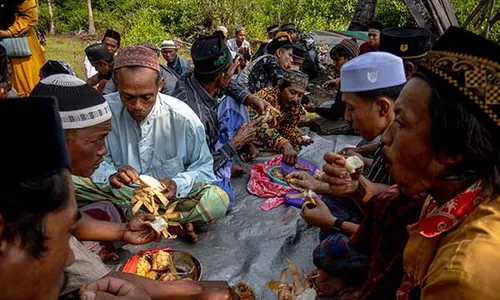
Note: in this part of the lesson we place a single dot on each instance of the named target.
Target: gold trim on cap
(477, 78)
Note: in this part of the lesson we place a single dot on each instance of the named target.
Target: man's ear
(160, 84)
(409, 69)
(384, 106)
(278, 53)
(3, 240)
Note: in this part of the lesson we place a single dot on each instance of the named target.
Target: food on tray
(152, 275)
(160, 266)
(162, 261)
(278, 174)
(143, 266)
(353, 163)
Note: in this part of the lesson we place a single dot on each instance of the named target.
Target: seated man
(271, 33)
(341, 53)
(176, 63)
(143, 123)
(268, 69)
(412, 45)
(280, 132)
(370, 101)
(39, 214)
(373, 42)
(311, 62)
(443, 145)
(299, 55)
(102, 61)
(112, 41)
(200, 89)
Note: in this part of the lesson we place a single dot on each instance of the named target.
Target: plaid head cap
(465, 62)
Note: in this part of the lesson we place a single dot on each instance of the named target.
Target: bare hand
(5, 34)
(341, 182)
(331, 84)
(126, 176)
(319, 216)
(259, 104)
(245, 135)
(309, 107)
(289, 154)
(215, 290)
(112, 288)
(349, 152)
(139, 231)
(304, 142)
(171, 188)
(304, 180)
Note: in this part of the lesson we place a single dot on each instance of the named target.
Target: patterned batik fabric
(334, 254)
(204, 204)
(275, 133)
(263, 72)
(383, 237)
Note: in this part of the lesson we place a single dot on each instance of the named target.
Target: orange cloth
(26, 70)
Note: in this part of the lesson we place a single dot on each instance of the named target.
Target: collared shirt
(453, 251)
(378, 172)
(170, 142)
(382, 236)
(179, 65)
(205, 106)
(263, 72)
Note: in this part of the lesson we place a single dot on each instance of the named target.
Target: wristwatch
(337, 225)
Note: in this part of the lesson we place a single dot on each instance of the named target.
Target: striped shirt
(378, 172)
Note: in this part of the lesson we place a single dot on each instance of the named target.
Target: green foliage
(154, 20)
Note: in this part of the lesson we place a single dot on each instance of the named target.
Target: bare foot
(187, 231)
(325, 284)
(237, 171)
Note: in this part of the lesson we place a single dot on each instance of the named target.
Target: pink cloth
(261, 185)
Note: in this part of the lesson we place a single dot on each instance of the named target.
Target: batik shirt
(382, 236)
(190, 91)
(277, 133)
(169, 143)
(263, 72)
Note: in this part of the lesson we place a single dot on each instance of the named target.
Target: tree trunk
(52, 28)
(91, 18)
(363, 16)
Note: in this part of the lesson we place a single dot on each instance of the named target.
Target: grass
(70, 49)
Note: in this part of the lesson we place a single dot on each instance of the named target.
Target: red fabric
(260, 184)
(365, 48)
(449, 215)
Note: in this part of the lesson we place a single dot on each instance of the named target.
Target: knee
(219, 200)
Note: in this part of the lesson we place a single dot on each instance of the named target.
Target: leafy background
(155, 20)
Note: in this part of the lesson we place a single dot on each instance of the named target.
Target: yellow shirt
(462, 263)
